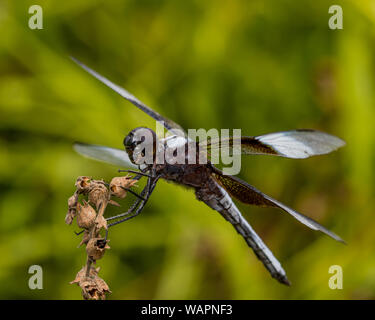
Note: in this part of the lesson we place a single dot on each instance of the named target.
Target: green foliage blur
(262, 66)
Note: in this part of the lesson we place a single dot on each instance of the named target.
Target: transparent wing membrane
(168, 124)
(113, 156)
(250, 195)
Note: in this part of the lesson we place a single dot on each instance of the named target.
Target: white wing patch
(300, 144)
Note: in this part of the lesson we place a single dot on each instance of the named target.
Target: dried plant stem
(88, 267)
(92, 221)
(92, 233)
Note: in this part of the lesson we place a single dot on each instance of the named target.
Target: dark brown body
(191, 175)
(194, 176)
(197, 176)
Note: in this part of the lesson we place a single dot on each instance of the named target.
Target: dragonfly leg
(136, 172)
(151, 183)
(132, 192)
(139, 196)
(132, 208)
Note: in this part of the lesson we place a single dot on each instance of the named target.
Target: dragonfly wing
(296, 144)
(113, 156)
(246, 193)
(168, 124)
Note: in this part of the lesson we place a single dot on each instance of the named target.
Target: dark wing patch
(243, 191)
(246, 193)
(168, 124)
(248, 145)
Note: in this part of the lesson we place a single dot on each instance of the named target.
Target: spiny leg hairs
(98, 194)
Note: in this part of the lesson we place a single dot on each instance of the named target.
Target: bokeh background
(262, 66)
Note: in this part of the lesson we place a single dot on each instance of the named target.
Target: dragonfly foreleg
(132, 208)
(132, 192)
(136, 172)
(151, 183)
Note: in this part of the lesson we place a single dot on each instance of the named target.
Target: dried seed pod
(72, 208)
(118, 192)
(94, 288)
(99, 196)
(101, 222)
(96, 247)
(118, 183)
(83, 184)
(72, 201)
(69, 217)
(86, 215)
(101, 287)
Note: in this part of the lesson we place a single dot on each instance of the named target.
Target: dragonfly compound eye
(128, 140)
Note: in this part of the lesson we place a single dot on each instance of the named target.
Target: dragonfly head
(140, 145)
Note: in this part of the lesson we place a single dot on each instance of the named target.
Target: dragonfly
(211, 186)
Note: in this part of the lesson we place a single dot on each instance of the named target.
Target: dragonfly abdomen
(218, 199)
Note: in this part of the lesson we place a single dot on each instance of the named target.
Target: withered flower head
(101, 222)
(83, 184)
(93, 287)
(86, 215)
(118, 183)
(99, 195)
(87, 236)
(72, 208)
(96, 247)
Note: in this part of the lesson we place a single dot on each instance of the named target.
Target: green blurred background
(262, 66)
